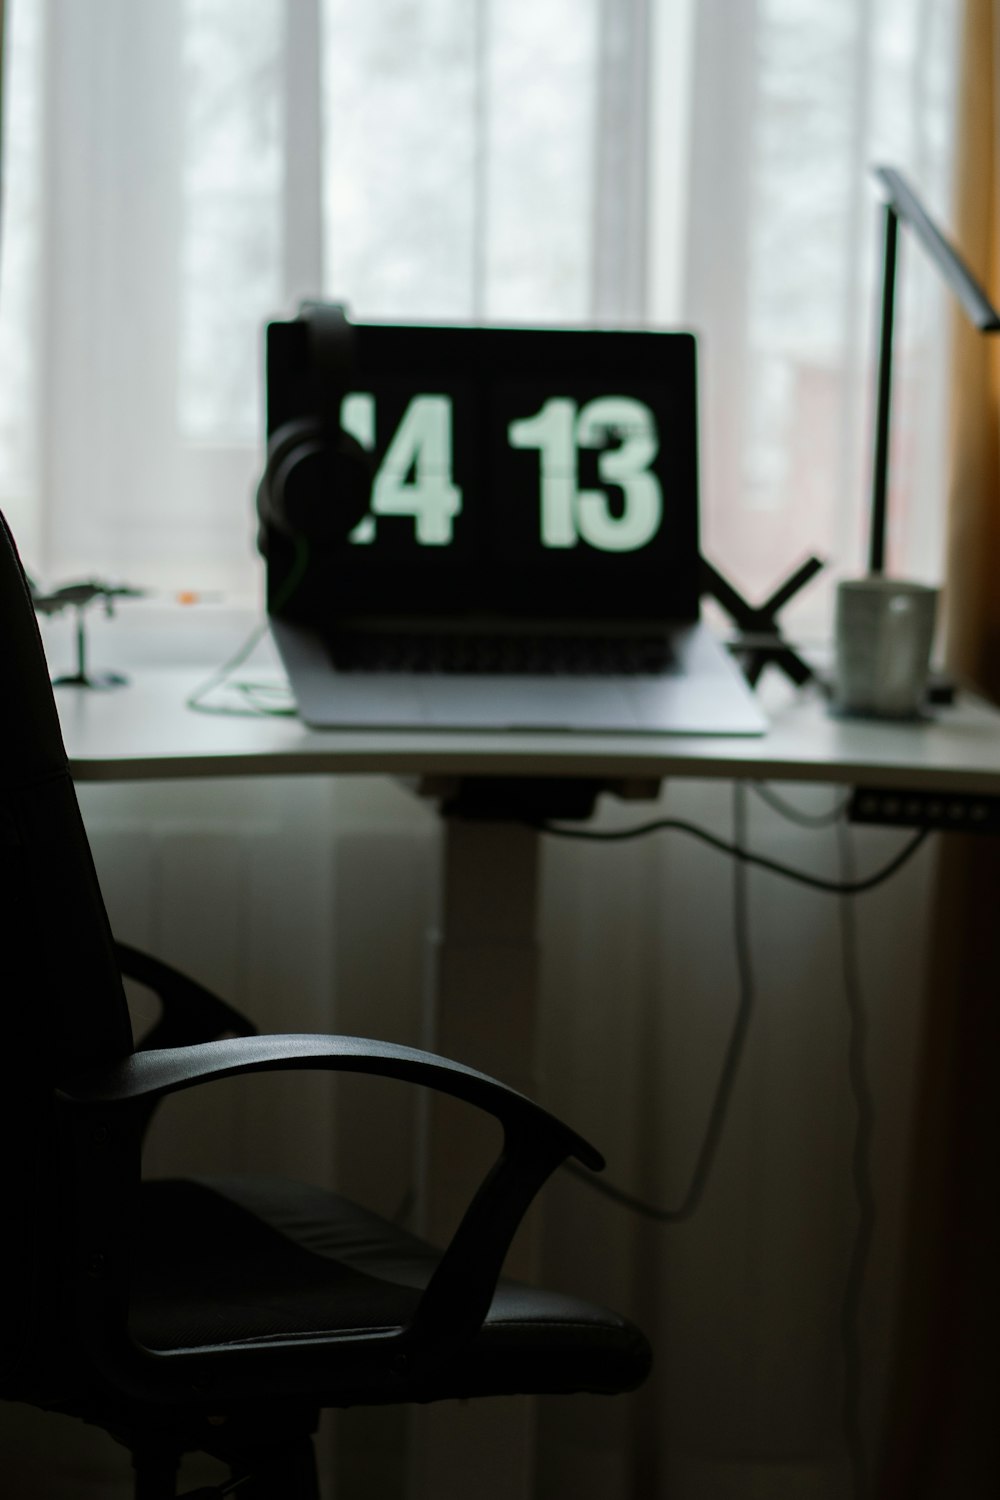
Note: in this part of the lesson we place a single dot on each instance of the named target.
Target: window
(177, 173)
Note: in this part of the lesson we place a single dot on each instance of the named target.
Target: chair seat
(238, 1261)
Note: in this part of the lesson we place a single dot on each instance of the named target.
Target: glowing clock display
(552, 471)
(415, 477)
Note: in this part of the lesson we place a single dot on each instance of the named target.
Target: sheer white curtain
(179, 171)
(185, 169)
(176, 172)
(792, 104)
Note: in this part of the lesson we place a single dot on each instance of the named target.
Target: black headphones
(317, 479)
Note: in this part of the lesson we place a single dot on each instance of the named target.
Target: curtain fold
(973, 599)
(942, 1434)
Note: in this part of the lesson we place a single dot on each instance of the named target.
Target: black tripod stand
(759, 642)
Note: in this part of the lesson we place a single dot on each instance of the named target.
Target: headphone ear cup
(316, 484)
(271, 507)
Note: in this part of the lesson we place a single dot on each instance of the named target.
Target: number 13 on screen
(623, 431)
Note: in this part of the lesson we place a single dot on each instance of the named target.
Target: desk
(147, 733)
(489, 870)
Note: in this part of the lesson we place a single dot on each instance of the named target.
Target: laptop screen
(519, 475)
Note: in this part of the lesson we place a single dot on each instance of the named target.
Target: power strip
(951, 812)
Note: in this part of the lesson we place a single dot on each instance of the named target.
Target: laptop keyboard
(513, 655)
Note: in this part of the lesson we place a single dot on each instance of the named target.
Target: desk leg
(481, 994)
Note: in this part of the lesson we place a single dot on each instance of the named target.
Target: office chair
(221, 1315)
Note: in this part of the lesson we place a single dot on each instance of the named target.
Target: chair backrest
(62, 1006)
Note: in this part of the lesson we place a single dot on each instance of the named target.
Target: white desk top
(145, 731)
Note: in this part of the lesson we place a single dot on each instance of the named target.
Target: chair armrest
(153, 1074)
(190, 1012)
(101, 1115)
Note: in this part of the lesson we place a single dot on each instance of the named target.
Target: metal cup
(884, 629)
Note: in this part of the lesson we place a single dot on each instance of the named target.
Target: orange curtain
(973, 595)
(942, 1435)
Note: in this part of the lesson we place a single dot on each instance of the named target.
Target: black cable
(862, 1094)
(846, 887)
(795, 814)
(218, 678)
(678, 825)
(733, 1056)
(864, 1106)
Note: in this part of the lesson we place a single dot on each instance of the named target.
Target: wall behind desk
(309, 902)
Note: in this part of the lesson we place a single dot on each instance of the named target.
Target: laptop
(526, 556)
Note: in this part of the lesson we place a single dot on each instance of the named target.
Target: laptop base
(703, 693)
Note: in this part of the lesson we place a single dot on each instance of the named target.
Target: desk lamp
(885, 627)
(902, 203)
(760, 639)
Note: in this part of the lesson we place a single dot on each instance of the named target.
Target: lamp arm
(902, 203)
(970, 293)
